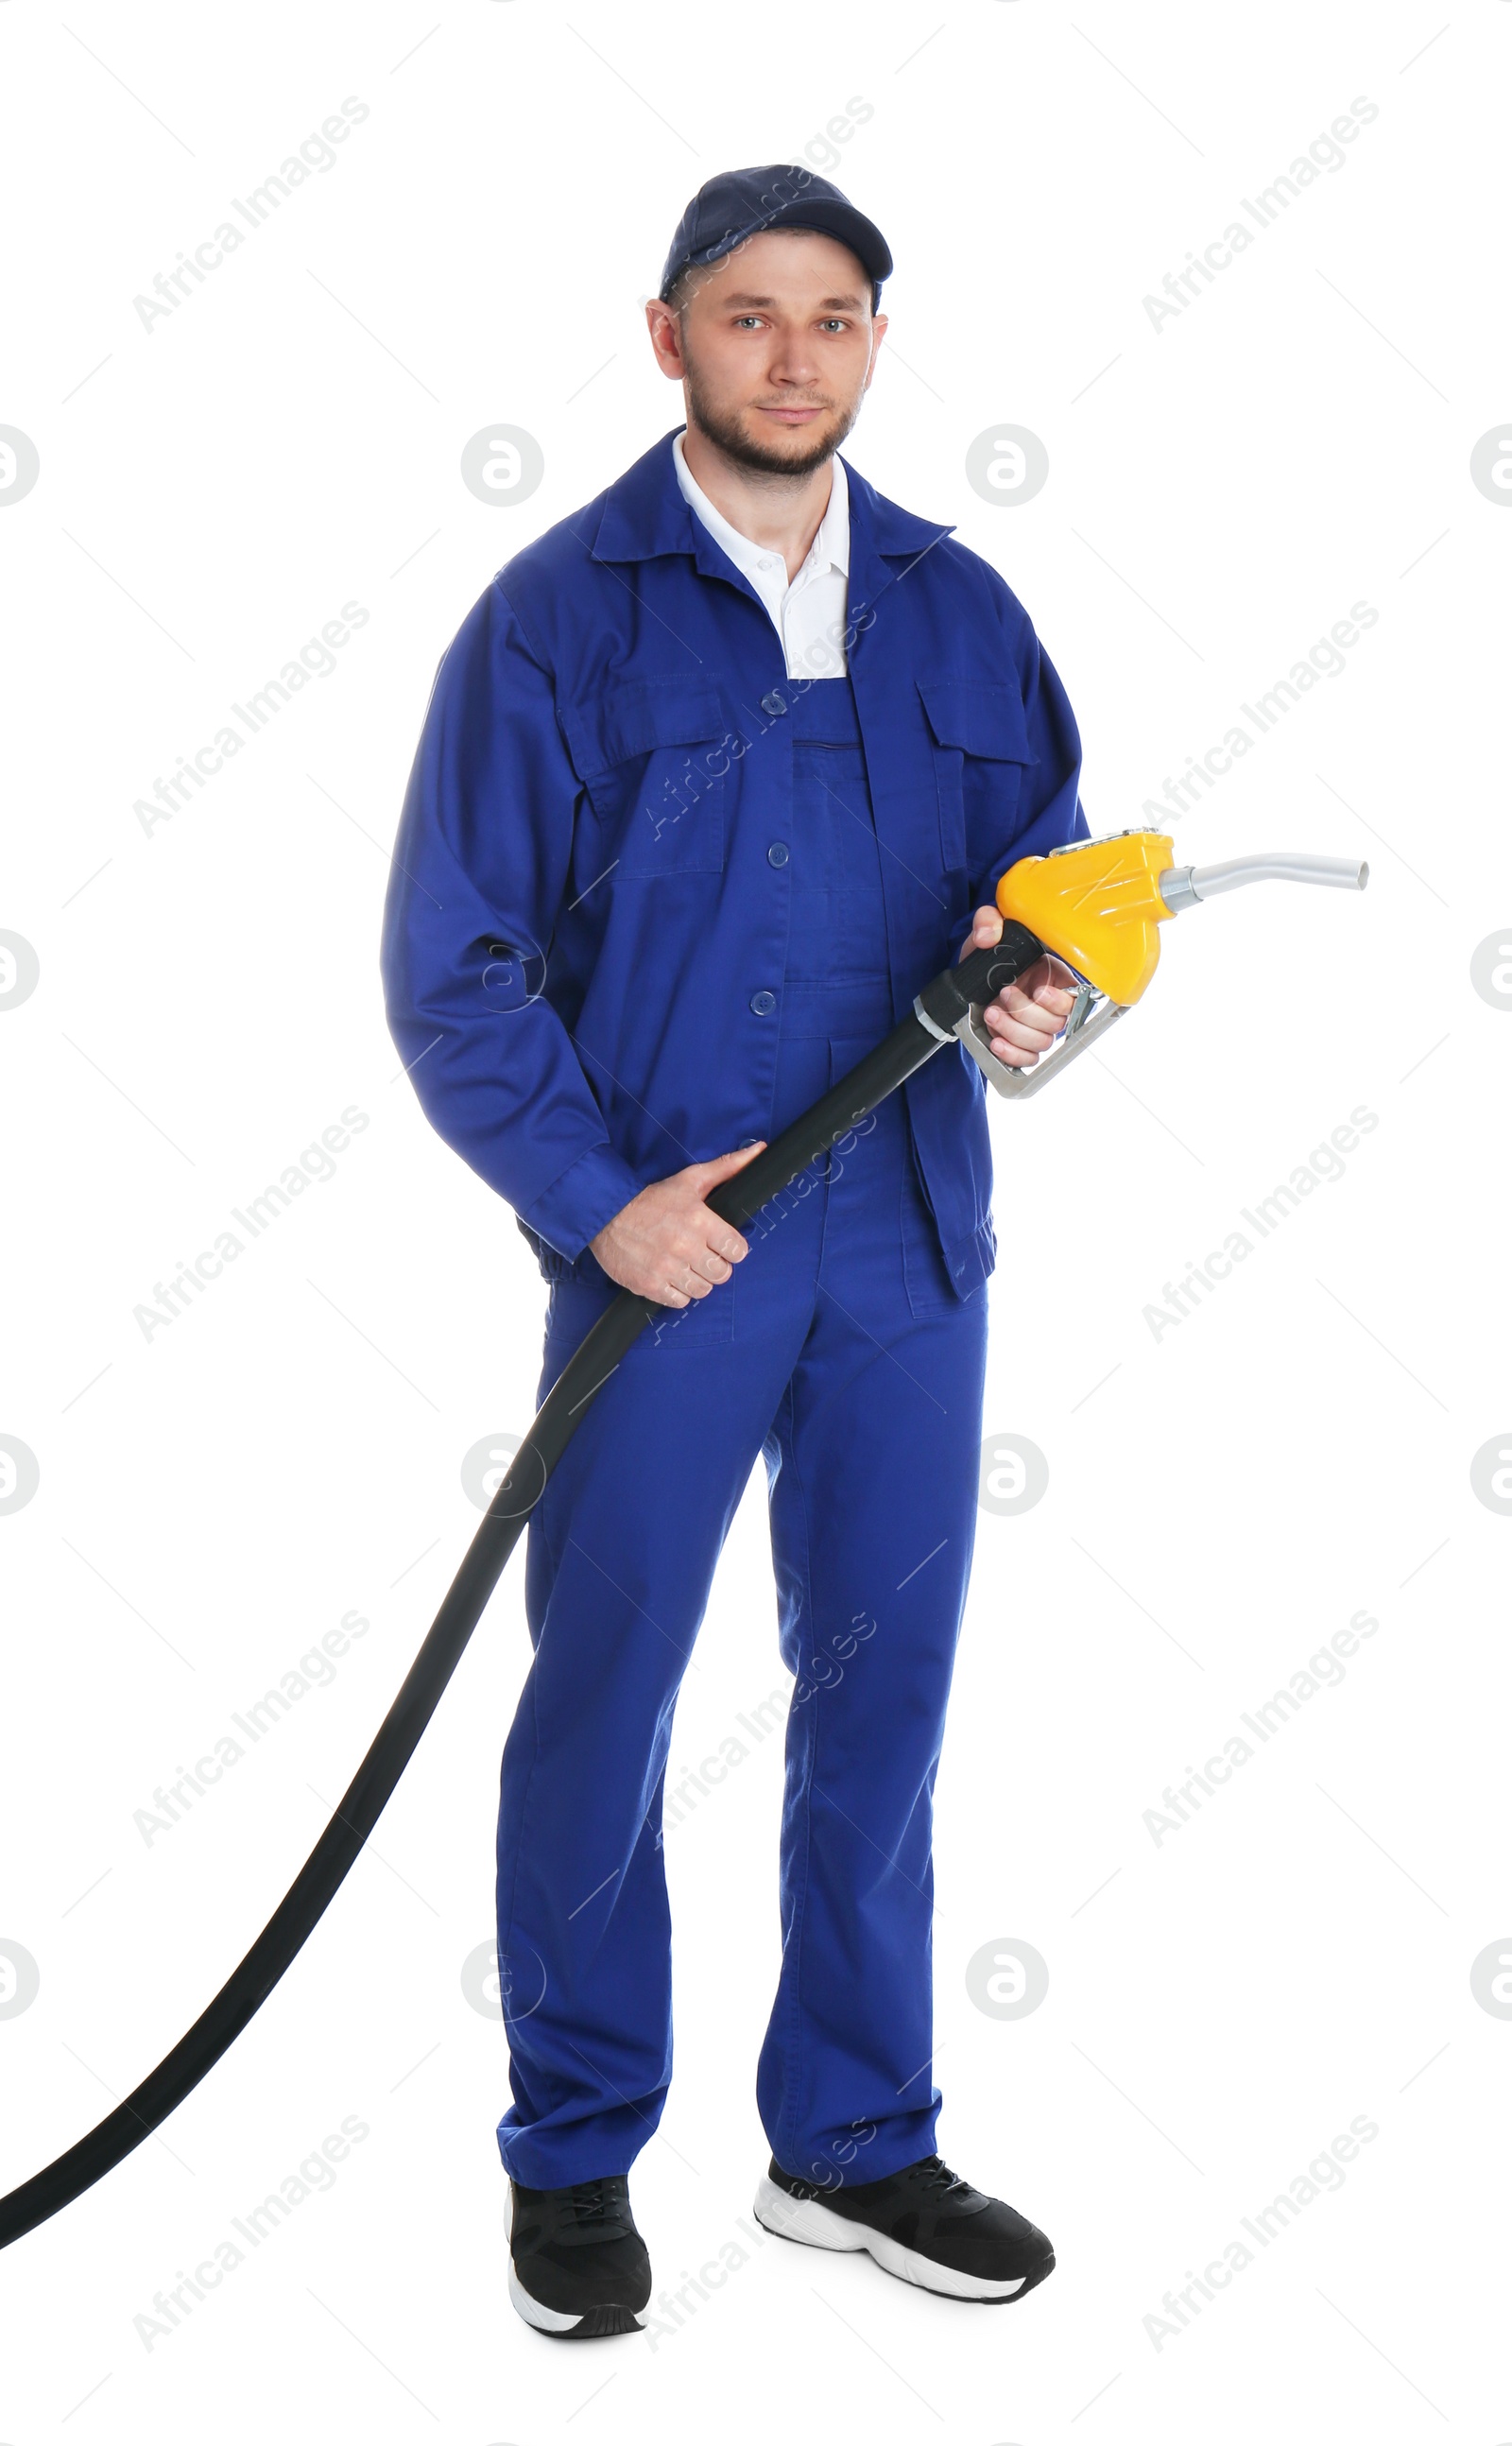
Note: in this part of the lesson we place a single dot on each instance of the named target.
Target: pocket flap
(983, 719)
(638, 717)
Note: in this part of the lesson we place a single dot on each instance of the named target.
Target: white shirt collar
(831, 548)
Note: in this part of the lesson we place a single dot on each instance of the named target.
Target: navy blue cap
(740, 204)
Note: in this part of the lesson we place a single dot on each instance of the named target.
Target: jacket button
(777, 854)
(763, 1002)
(772, 703)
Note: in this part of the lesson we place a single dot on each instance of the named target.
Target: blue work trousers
(839, 1353)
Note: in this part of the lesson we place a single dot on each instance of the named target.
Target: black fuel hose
(737, 1201)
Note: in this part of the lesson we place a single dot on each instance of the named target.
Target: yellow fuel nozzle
(1097, 904)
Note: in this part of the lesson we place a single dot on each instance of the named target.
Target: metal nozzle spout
(1182, 885)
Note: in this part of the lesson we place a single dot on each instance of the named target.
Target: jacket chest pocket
(653, 756)
(980, 750)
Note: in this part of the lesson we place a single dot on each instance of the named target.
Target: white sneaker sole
(535, 2314)
(612, 2321)
(810, 2220)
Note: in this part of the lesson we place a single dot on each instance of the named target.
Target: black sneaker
(924, 2224)
(577, 2264)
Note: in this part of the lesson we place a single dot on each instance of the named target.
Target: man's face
(775, 348)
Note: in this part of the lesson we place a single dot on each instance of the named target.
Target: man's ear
(667, 338)
(879, 332)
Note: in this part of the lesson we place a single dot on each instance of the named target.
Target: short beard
(730, 437)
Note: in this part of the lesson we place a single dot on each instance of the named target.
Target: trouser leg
(875, 1453)
(621, 1549)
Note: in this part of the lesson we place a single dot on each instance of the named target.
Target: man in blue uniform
(714, 777)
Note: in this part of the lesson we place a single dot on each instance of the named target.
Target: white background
(1221, 1501)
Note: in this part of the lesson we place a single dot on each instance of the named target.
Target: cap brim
(836, 221)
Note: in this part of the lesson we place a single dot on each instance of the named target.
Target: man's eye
(833, 323)
(747, 322)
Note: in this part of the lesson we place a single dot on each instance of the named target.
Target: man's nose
(793, 365)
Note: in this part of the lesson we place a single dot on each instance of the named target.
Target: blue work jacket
(584, 939)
